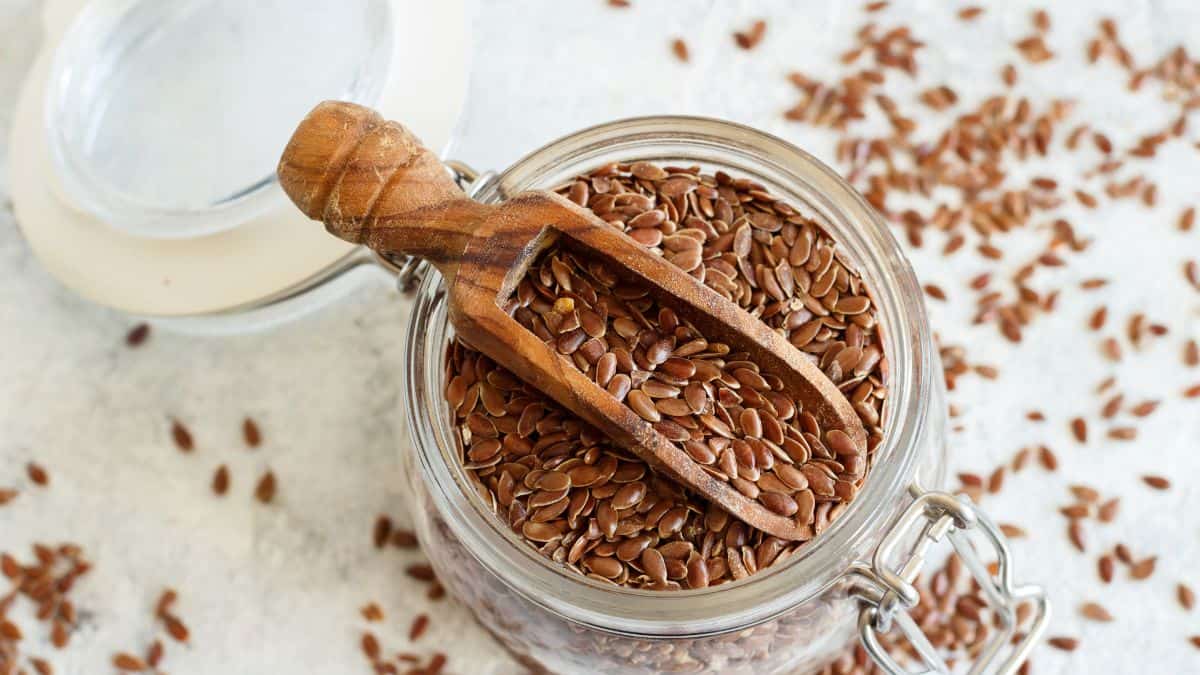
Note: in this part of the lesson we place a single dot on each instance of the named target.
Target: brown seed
(1011, 531)
(1096, 322)
(418, 627)
(382, 531)
(1195, 640)
(371, 612)
(181, 436)
(1157, 482)
(175, 628)
(1079, 429)
(128, 663)
(220, 480)
(264, 491)
(1105, 566)
(37, 474)
(1142, 569)
(1094, 612)
(137, 335)
(370, 645)
(9, 630)
(680, 49)
(1075, 533)
(250, 433)
(1066, 644)
(1047, 458)
(996, 480)
(970, 13)
(7, 495)
(1108, 510)
(404, 539)
(1187, 599)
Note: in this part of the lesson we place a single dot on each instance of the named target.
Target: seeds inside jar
(601, 511)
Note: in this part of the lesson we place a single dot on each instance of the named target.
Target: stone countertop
(278, 588)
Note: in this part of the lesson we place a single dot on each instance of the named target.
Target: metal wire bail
(888, 592)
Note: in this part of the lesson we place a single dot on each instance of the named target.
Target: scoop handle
(372, 182)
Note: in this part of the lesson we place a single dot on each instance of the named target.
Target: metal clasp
(887, 591)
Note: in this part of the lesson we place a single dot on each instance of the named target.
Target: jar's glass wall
(779, 620)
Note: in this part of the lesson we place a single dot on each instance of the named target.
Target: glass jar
(855, 578)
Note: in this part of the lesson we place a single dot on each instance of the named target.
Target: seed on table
(1047, 458)
(1144, 568)
(128, 663)
(1157, 482)
(181, 436)
(1105, 566)
(1095, 612)
(1066, 644)
(250, 433)
(1079, 429)
(265, 490)
(1075, 533)
(220, 480)
(418, 627)
(1187, 599)
(1085, 493)
(37, 474)
(1108, 510)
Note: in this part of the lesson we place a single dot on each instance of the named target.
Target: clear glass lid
(166, 119)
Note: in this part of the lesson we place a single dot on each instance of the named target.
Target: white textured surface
(277, 589)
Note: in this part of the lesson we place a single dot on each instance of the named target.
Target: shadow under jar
(855, 578)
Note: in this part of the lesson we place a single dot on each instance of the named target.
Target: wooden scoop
(373, 183)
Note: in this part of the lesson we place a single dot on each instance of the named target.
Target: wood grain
(372, 182)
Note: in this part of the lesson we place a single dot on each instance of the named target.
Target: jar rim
(815, 566)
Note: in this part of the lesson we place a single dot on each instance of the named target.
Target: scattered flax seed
(1191, 272)
(370, 645)
(1191, 354)
(220, 481)
(1142, 569)
(876, 6)
(7, 495)
(42, 666)
(750, 39)
(1067, 644)
(1105, 566)
(418, 627)
(1093, 284)
(1108, 510)
(37, 474)
(1112, 407)
(382, 531)
(176, 628)
(1075, 534)
(1041, 21)
(154, 654)
(436, 591)
(1192, 391)
(10, 630)
(1020, 459)
(1047, 458)
(1079, 429)
(1144, 409)
(1034, 49)
(181, 436)
(1095, 612)
(1122, 433)
(996, 480)
(128, 663)
(1009, 75)
(250, 433)
(265, 490)
(1123, 554)
(165, 600)
(970, 13)
(1085, 493)
(1187, 219)
(138, 334)
(1111, 349)
(1096, 321)
(1187, 599)
(970, 480)
(1011, 531)
(680, 49)
(1157, 482)
(934, 291)
(421, 572)
(404, 539)
(1035, 416)
(1195, 640)
(371, 612)
(1085, 199)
